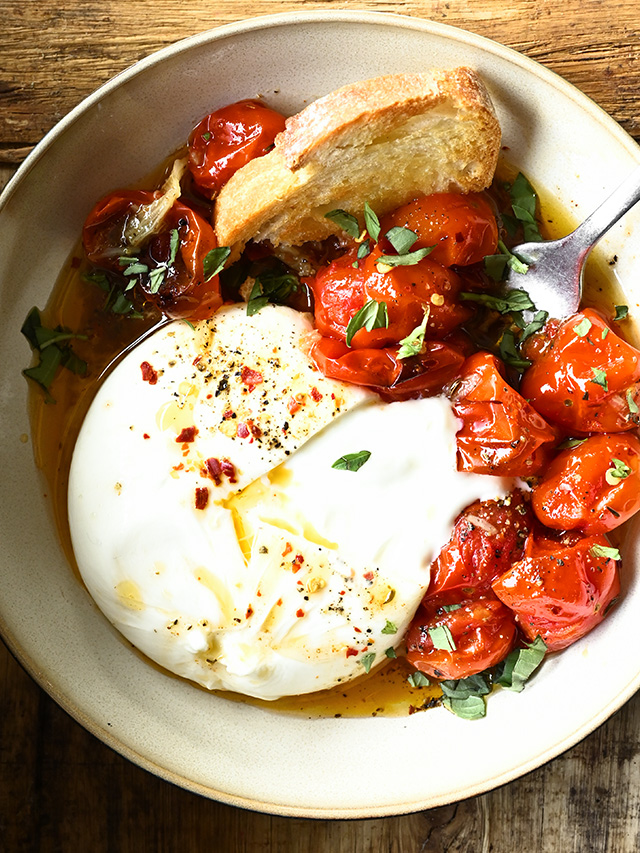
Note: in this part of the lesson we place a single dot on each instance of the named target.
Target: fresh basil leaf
(513, 300)
(509, 352)
(495, 266)
(418, 679)
(44, 372)
(271, 286)
(391, 653)
(389, 628)
(471, 708)
(570, 443)
(603, 551)
(214, 261)
(618, 471)
(408, 260)
(367, 660)
(442, 638)
(344, 220)
(523, 202)
(174, 243)
(583, 328)
(364, 249)
(352, 461)
(622, 311)
(535, 325)
(413, 343)
(372, 315)
(402, 239)
(631, 403)
(371, 221)
(449, 608)
(520, 664)
(473, 685)
(599, 378)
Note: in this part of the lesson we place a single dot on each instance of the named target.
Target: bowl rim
(285, 19)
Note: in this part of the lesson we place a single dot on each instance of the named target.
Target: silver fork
(554, 277)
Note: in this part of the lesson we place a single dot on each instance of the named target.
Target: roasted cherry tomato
(184, 292)
(227, 139)
(394, 379)
(501, 433)
(560, 592)
(584, 377)
(593, 487)
(462, 228)
(104, 229)
(454, 635)
(341, 289)
(488, 537)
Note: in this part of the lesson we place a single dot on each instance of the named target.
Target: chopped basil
(442, 638)
(214, 261)
(604, 333)
(496, 265)
(390, 628)
(367, 660)
(618, 471)
(413, 343)
(116, 301)
(418, 679)
(599, 378)
(54, 350)
(520, 664)
(583, 327)
(523, 202)
(371, 221)
(391, 653)
(622, 311)
(631, 403)
(509, 352)
(471, 708)
(270, 286)
(449, 608)
(156, 277)
(402, 239)
(344, 220)
(352, 461)
(464, 697)
(132, 266)
(539, 319)
(514, 300)
(570, 443)
(372, 315)
(364, 249)
(603, 551)
(406, 260)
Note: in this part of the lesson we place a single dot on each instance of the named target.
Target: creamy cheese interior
(212, 530)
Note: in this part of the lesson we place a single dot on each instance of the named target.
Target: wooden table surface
(60, 788)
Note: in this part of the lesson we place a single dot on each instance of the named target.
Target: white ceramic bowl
(241, 754)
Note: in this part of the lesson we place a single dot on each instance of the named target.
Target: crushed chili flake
(242, 430)
(288, 548)
(179, 467)
(300, 613)
(228, 414)
(358, 630)
(250, 377)
(148, 373)
(146, 435)
(197, 359)
(215, 470)
(187, 435)
(296, 563)
(315, 394)
(279, 602)
(249, 612)
(229, 470)
(202, 497)
(368, 576)
(293, 405)
(351, 652)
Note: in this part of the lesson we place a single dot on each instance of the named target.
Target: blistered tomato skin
(501, 432)
(562, 593)
(584, 378)
(480, 632)
(487, 538)
(593, 487)
(105, 226)
(228, 139)
(462, 228)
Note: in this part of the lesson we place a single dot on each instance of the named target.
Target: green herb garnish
(214, 261)
(599, 378)
(352, 461)
(344, 220)
(603, 551)
(367, 660)
(418, 679)
(372, 315)
(442, 638)
(390, 628)
(622, 312)
(414, 342)
(407, 260)
(371, 221)
(520, 664)
(54, 350)
(271, 287)
(402, 239)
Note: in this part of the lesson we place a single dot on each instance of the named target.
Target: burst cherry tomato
(593, 487)
(462, 228)
(562, 592)
(501, 433)
(584, 377)
(394, 379)
(227, 139)
(104, 228)
(184, 291)
(453, 635)
(487, 538)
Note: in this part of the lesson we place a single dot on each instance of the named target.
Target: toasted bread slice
(385, 141)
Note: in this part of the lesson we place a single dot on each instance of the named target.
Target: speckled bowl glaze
(243, 755)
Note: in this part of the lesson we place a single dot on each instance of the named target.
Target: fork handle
(608, 213)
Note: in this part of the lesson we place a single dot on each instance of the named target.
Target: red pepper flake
(146, 435)
(256, 432)
(214, 469)
(358, 630)
(242, 430)
(288, 548)
(258, 593)
(202, 497)
(251, 378)
(187, 435)
(279, 602)
(368, 576)
(179, 467)
(351, 652)
(300, 613)
(228, 414)
(197, 359)
(249, 612)
(148, 373)
(315, 394)
(297, 562)
(293, 405)
(229, 470)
